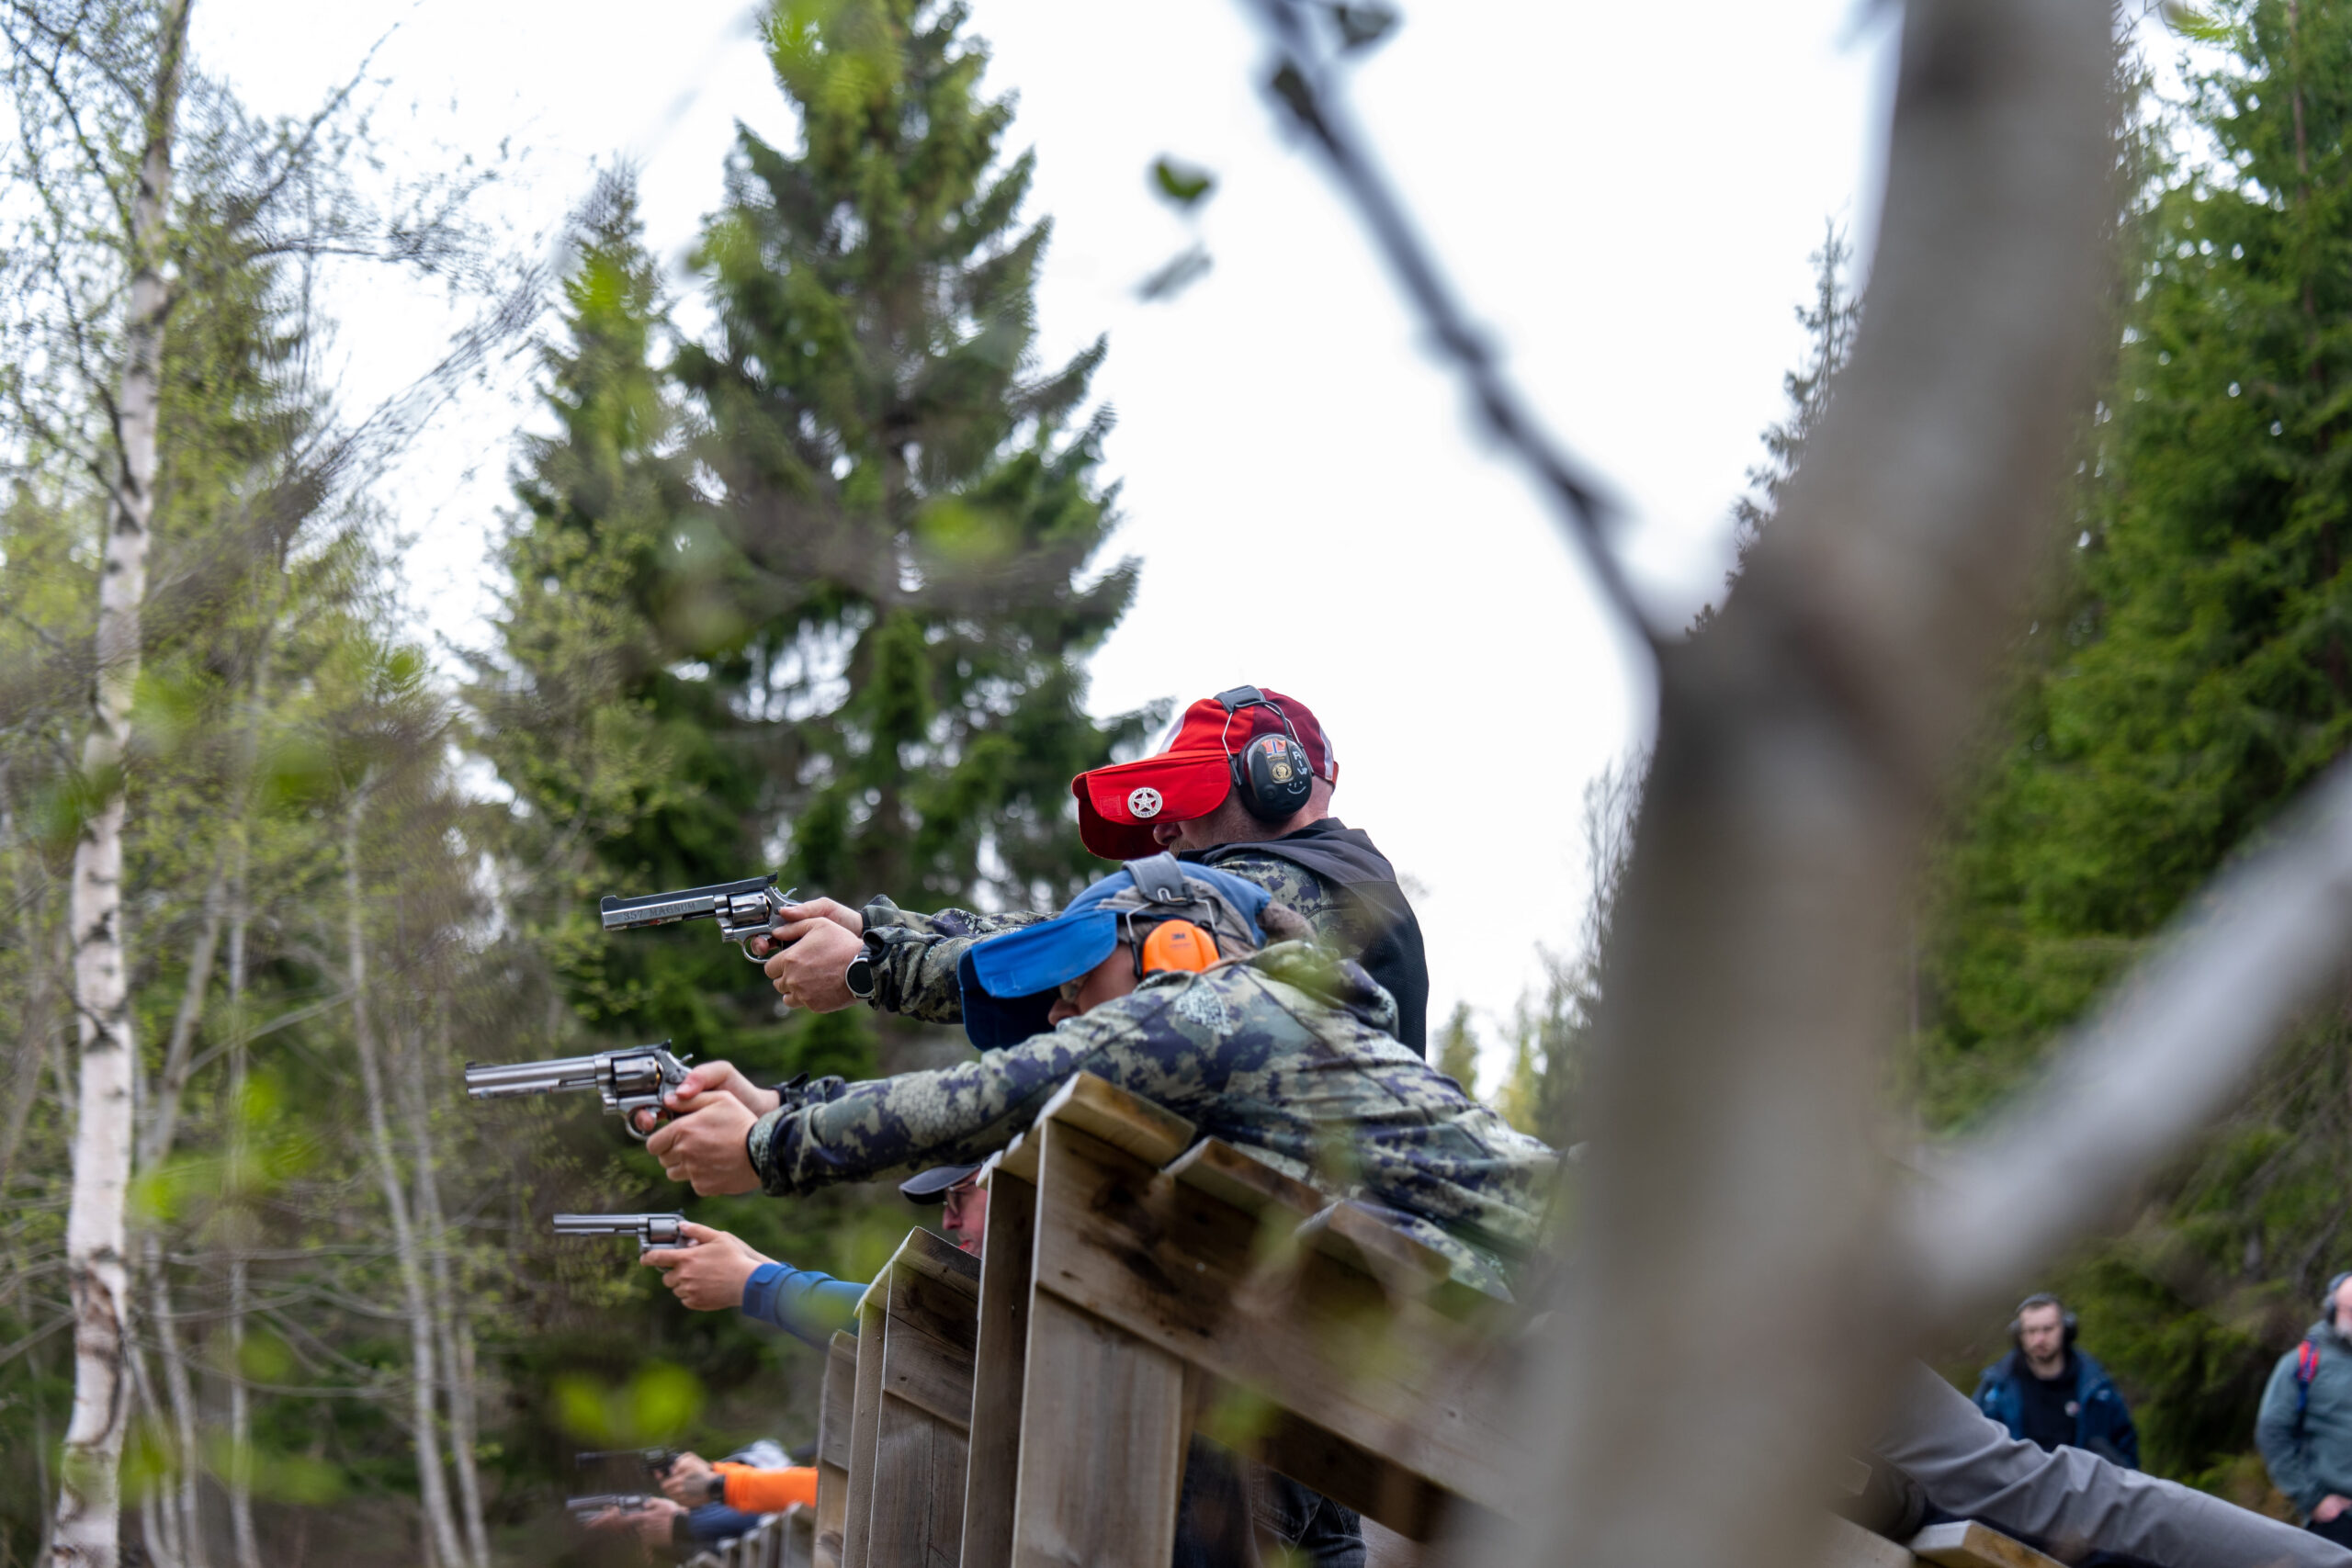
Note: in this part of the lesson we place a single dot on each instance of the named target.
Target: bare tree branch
(1308, 89)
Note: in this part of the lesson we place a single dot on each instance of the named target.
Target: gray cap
(930, 1186)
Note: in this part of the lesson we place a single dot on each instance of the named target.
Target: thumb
(705, 1078)
(693, 1231)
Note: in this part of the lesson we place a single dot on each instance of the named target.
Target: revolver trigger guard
(745, 946)
(628, 1122)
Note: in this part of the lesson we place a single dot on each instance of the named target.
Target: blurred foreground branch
(2169, 1051)
(1308, 88)
(1803, 742)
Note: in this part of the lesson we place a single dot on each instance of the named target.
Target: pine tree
(2190, 678)
(620, 746)
(907, 516)
(1830, 321)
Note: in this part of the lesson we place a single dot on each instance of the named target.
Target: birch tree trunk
(180, 1398)
(441, 1529)
(88, 1527)
(238, 1482)
(449, 1325)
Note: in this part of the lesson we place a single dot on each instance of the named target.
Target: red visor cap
(1190, 777)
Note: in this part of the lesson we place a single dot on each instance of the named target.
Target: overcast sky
(1627, 206)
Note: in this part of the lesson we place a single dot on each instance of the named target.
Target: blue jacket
(806, 1304)
(2102, 1421)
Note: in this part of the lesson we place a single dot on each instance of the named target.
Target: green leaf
(1184, 184)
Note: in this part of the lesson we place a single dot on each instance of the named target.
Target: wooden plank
(864, 1417)
(1355, 1477)
(1849, 1545)
(1171, 1263)
(1404, 1264)
(1000, 1356)
(918, 1519)
(1104, 1417)
(835, 1416)
(1129, 1123)
(1224, 1172)
(1102, 1437)
(934, 1256)
(928, 1296)
(798, 1546)
(1969, 1545)
(927, 1350)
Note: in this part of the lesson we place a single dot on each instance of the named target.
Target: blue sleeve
(806, 1304)
(717, 1521)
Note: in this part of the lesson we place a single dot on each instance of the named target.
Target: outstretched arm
(2070, 1503)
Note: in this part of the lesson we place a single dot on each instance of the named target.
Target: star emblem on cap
(1144, 803)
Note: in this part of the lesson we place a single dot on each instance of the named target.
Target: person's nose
(1166, 833)
(1058, 1012)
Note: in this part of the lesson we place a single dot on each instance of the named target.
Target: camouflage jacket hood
(1283, 1056)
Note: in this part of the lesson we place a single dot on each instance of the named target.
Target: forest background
(813, 585)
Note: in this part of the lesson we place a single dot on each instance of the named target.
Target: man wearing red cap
(1244, 783)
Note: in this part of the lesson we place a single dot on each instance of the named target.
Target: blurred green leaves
(652, 1408)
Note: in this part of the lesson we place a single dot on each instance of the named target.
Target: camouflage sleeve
(949, 1115)
(915, 955)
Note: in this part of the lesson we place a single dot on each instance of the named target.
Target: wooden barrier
(780, 1541)
(1141, 1284)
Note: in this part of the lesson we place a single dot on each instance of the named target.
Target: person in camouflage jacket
(1284, 1051)
(1309, 861)
(914, 955)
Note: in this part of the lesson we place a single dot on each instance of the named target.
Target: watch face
(859, 977)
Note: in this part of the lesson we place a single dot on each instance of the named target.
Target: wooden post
(835, 1416)
(999, 1355)
(1104, 1417)
(930, 1294)
(865, 1417)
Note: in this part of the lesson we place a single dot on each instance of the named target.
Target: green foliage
(1457, 1049)
(2190, 676)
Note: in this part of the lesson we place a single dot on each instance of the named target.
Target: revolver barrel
(744, 909)
(597, 1502)
(651, 1230)
(494, 1080)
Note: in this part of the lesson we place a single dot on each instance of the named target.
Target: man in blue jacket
(2048, 1393)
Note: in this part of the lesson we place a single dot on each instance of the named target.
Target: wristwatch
(718, 1486)
(859, 975)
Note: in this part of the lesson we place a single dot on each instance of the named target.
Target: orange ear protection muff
(1270, 775)
(1178, 945)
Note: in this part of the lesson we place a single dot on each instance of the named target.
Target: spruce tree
(2191, 676)
(616, 740)
(906, 513)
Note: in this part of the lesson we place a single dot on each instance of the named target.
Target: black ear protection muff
(1270, 775)
(2328, 1301)
(2044, 1299)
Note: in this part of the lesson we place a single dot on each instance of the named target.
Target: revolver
(657, 1462)
(744, 909)
(584, 1509)
(651, 1230)
(629, 1081)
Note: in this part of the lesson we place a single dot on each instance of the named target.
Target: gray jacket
(2309, 1464)
(2070, 1503)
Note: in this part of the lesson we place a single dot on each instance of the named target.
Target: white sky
(1628, 207)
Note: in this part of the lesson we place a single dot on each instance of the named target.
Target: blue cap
(1008, 981)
